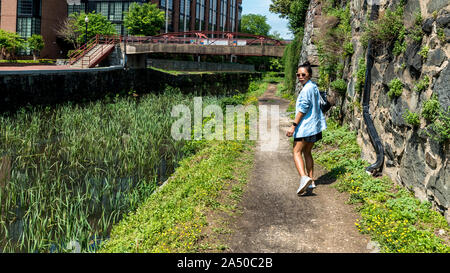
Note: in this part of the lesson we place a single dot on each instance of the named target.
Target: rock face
(413, 157)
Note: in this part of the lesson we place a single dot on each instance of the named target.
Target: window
(102, 8)
(115, 11)
(75, 8)
(27, 26)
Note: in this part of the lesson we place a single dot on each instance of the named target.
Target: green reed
(76, 169)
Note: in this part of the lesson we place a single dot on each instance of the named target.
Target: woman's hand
(291, 131)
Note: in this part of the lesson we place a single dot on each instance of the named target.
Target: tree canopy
(146, 19)
(293, 10)
(73, 29)
(35, 44)
(10, 43)
(255, 24)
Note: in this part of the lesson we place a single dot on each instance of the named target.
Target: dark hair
(306, 65)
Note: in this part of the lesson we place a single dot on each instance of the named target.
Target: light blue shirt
(308, 102)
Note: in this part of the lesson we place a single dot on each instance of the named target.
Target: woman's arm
(297, 120)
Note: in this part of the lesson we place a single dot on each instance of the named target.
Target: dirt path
(274, 219)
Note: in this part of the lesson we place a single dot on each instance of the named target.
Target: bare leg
(309, 159)
(299, 146)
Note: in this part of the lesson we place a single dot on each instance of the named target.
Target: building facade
(28, 17)
(181, 15)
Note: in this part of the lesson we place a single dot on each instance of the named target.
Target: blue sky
(262, 7)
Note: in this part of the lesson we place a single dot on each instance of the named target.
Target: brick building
(27, 17)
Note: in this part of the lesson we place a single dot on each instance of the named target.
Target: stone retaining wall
(52, 87)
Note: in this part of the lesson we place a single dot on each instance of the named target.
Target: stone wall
(198, 66)
(412, 158)
(52, 87)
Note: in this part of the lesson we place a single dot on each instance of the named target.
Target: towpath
(275, 220)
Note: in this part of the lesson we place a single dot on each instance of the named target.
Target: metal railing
(99, 51)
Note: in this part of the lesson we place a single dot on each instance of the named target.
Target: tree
(73, 29)
(145, 19)
(10, 43)
(35, 44)
(66, 31)
(282, 7)
(293, 10)
(255, 24)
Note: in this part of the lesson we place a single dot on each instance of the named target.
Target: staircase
(93, 52)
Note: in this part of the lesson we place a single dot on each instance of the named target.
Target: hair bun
(306, 63)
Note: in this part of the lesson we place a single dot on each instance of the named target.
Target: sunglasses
(301, 74)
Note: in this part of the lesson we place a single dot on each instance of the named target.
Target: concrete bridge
(136, 48)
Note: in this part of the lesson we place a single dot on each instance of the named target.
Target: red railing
(175, 37)
(80, 52)
(98, 54)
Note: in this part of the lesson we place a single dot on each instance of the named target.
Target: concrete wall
(198, 66)
(52, 87)
(254, 50)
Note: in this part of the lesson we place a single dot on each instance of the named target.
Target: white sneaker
(305, 181)
(312, 186)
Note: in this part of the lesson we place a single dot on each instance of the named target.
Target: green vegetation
(73, 29)
(290, 60)
(339, 85)
(334, 44)
(424, 52)
(143, 19)
(431, 108)
(35, 44)
(360, 75)
(422, 85)
(172, 219)
(10, 44)
(411, 118)
(416, 32)
(77, 169)
(255, 24)
(39, 61)
(390, 214)
(441, 126)
(293, 10)
(441, 34)
(395, 88)
(389, 28)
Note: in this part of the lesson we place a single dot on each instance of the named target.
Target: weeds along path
(274, 219)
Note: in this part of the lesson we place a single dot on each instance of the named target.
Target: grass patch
(390, 214)
(172, 219)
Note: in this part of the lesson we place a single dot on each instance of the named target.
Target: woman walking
(307, 127)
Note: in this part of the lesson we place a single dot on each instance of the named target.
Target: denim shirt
(308, 102)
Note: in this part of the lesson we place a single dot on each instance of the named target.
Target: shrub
(395, 88)
(411, 118)
(422, 85)
(441, 34)
(424, 52)
(360, 74)
(339, 85)
(441, 126)
(416, 32)
(430, 108)
(290, 60)
(388, 28)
